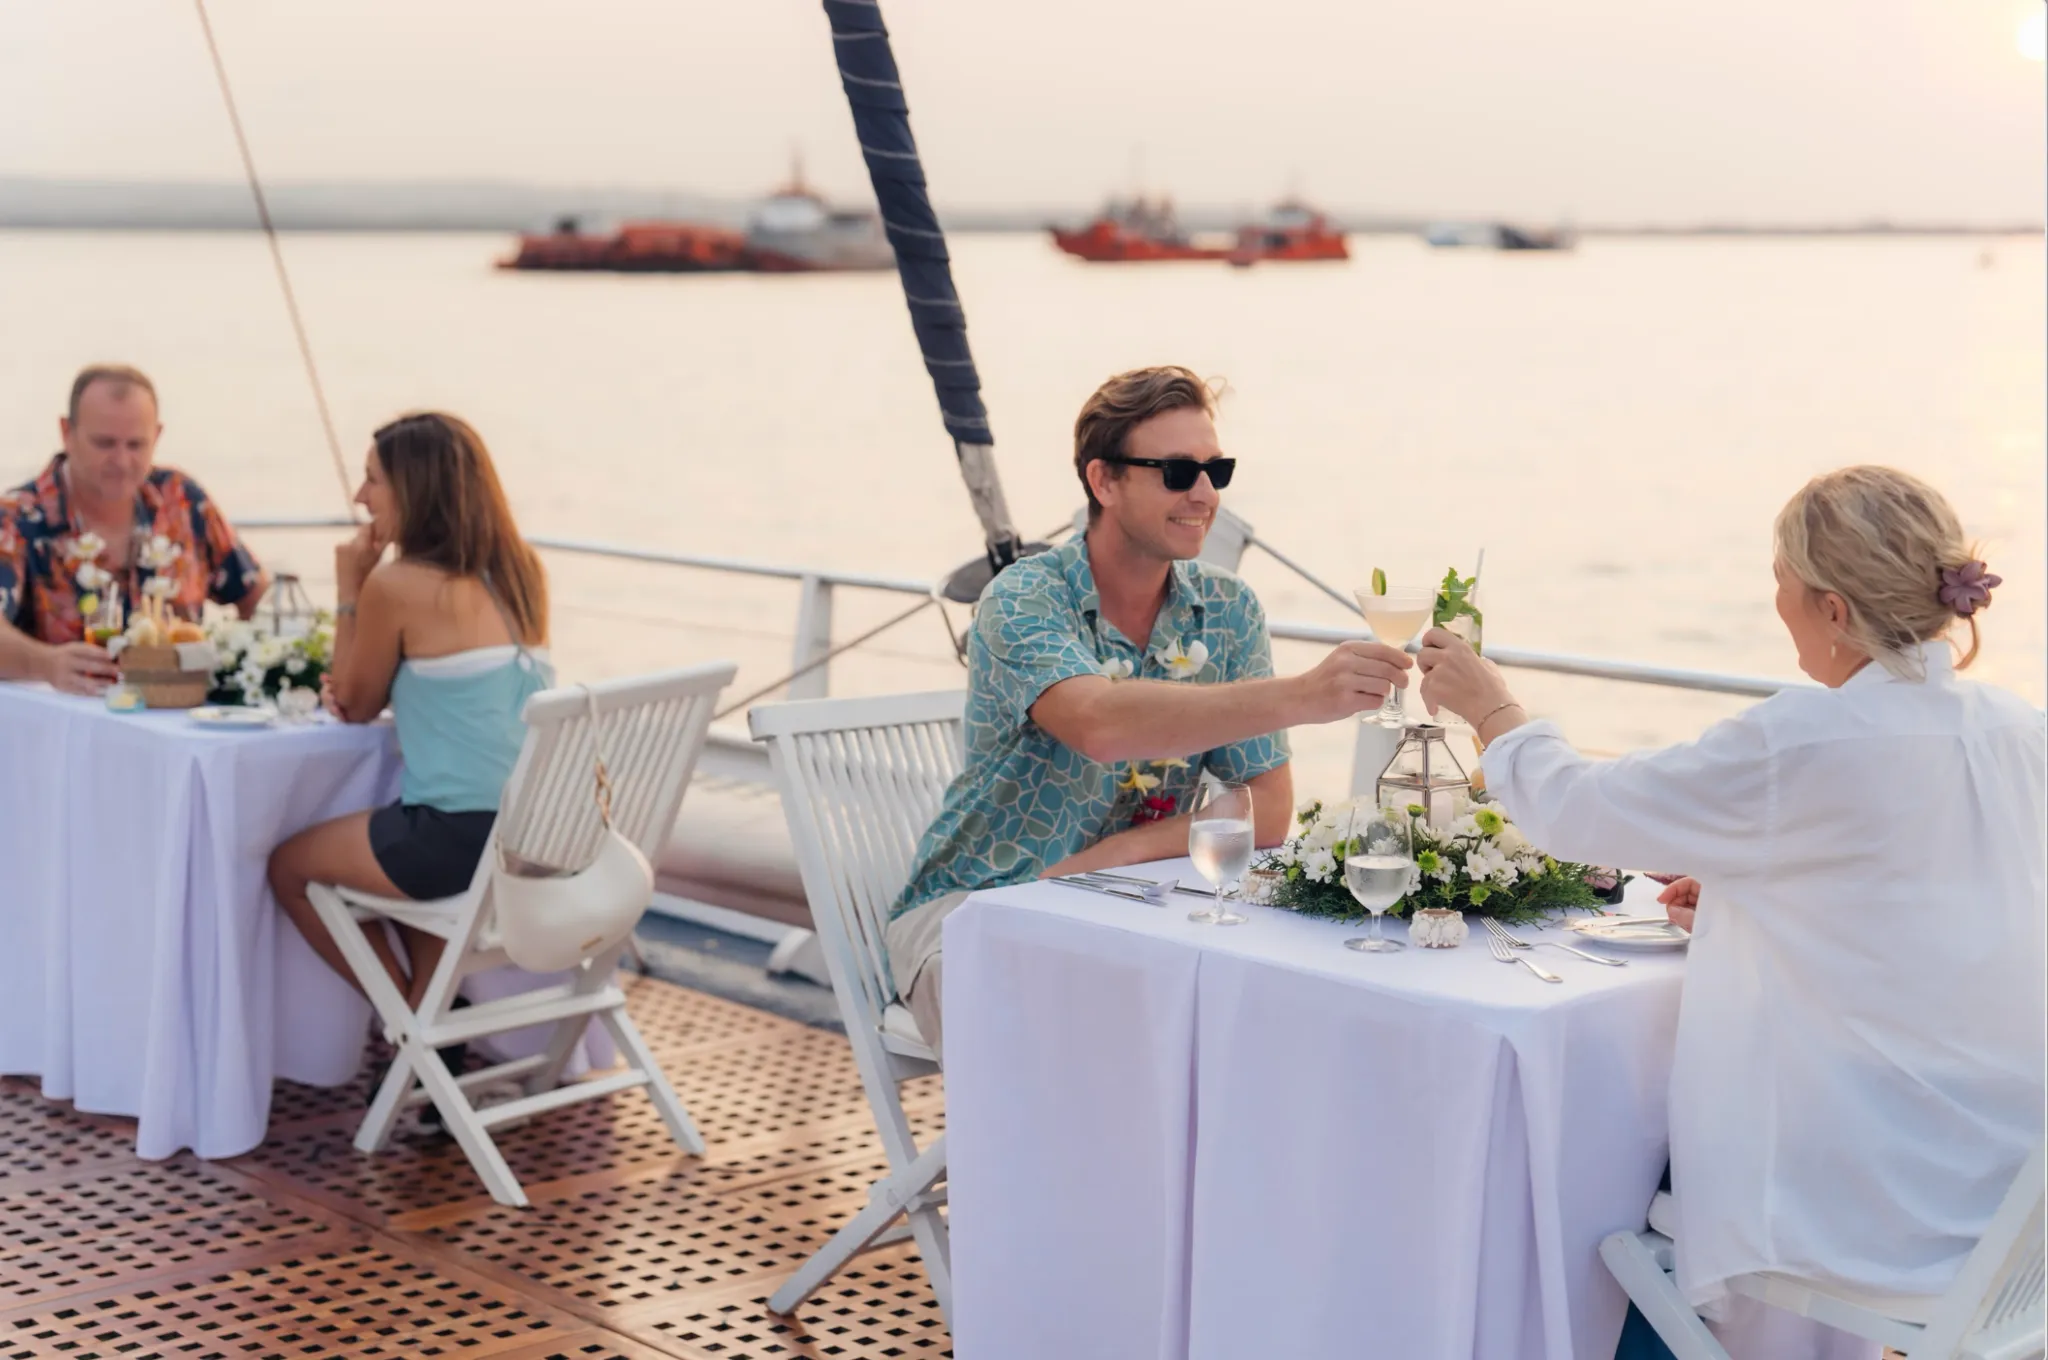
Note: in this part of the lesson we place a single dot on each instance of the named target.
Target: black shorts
(428, 853)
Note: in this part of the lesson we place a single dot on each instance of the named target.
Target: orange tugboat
(1293, 231)
(1144, 230)
(792, 231)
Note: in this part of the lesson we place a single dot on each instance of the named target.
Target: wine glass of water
(1220, 844)
(1395, 616)
(1379, 865)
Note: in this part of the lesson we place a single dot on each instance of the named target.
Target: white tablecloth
(145, 969)
(1168, 1139)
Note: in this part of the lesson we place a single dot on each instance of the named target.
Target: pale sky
(1595, 110)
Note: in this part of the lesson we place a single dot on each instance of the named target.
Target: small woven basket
(154, 673)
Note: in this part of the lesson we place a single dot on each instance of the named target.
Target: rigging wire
(809, 666)
(291, 301)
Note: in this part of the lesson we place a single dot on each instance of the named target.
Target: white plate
(1635, 935)
(212, 716)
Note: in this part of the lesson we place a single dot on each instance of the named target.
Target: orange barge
(1145, 231)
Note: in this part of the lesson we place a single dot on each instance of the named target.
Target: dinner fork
(1514, 941)
(1507, 955)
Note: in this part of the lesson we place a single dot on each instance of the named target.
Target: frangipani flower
(1170, 763)
(1136, 779)
(159, 587)
(1119, 668)
(85, 548)
(1183, 661)
(94, 577)
(159, 553)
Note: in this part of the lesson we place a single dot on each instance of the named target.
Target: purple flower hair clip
(1967, 589)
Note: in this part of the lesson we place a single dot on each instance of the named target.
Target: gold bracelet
(1479, 728)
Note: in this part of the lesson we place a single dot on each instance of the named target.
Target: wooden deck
(306, 1247)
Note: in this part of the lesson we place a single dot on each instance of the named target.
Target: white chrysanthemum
(295, 665)
(271, 651)
(1512, 840)
(1288, 854)
(1319, 865)
(1320, 836)
(1464, 828)
(1483, 862)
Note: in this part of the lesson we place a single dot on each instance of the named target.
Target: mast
(881, 119)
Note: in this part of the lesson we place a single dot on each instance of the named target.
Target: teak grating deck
(630, 1249)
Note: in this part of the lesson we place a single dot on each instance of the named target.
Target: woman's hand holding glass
(1459, 679)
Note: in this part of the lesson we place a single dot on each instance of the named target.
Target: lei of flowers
(257, 666)
(1480, 863)
(83, 552)
(1181, 661)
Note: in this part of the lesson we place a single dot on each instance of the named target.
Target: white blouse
(1860, 1046)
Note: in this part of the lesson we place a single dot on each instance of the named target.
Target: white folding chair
(653, 733)
(1993, 1311)
(861, 779)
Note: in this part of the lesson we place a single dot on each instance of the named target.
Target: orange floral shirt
(40, 565)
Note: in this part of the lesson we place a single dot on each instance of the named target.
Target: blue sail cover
(881, 119)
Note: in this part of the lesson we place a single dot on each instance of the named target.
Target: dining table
(145, 968)
(1168, 1139)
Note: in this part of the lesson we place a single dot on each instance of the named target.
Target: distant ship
(1497, 236)
(793, 230)
(1141, 230)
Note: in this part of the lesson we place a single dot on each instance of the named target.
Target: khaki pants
(912, 942)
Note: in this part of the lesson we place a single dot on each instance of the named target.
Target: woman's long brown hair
(452, 513)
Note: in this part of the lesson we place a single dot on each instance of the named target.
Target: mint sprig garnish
(1454, 600)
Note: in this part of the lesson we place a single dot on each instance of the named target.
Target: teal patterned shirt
(1025, 801)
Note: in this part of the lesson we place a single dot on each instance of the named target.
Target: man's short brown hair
(123, 376)
(1125, 402)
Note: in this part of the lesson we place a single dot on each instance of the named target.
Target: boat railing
(733, 756)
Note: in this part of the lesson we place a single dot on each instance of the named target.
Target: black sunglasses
(1179, 473)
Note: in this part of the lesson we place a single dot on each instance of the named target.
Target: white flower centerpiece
(256, 667)
(1479, 862)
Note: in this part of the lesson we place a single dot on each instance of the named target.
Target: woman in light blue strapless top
(452, 633)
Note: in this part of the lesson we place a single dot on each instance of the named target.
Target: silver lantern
(1424, 773)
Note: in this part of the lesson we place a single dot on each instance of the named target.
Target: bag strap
(604, 776)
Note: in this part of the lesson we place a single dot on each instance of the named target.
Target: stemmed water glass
(1379, 867)
(1395, 615)
(1220, 844)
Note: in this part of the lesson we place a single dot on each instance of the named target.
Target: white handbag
(550, 920)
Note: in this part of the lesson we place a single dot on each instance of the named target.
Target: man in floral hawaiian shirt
(1084, 744)
(100, 520)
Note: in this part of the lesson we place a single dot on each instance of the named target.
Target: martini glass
(1396, 617)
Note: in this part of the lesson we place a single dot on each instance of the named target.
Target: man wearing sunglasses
(1107, 674)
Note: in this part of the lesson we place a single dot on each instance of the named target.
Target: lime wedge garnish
(1379, 581)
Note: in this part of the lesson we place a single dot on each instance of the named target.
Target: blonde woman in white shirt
(1858, 1073)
